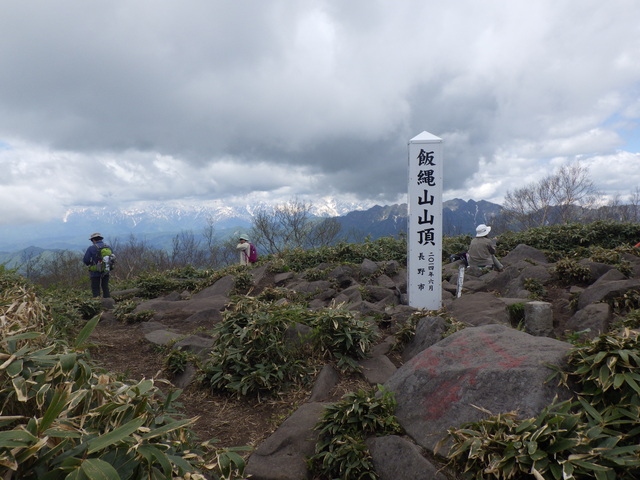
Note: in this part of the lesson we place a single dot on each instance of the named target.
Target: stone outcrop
(491, 368)
(283, 454)
(439, 380)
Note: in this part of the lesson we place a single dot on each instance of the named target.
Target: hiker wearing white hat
(482, 250)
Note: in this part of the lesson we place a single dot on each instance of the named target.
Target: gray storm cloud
(177, 99)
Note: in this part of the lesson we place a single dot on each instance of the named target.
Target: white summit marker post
(425, 222)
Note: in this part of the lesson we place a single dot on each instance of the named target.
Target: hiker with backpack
(100, 259)
(248, 252)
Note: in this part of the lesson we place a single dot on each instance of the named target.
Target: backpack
(253, 254)
(464, 256)
(106, 259)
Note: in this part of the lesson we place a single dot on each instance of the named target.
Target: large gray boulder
(396, 458)
(604, 289)
(480, 308)
(377, 369)
(368, 268)
(595, 318)
(282, 456)
(525, 253)
(596, 269)
(492, 367)
(223, 287)
(199, 310)
(429, 330)
(511, 282)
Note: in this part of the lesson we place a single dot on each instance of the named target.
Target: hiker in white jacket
(243, 248)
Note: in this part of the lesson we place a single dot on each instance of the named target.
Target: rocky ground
(377, 290)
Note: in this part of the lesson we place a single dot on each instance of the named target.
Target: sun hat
(482, 230)
(244, 237)
(95, 235)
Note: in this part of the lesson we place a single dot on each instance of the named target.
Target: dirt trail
(122, 350)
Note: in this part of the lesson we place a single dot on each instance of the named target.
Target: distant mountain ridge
(375, 222)
(161, 223)
(460, 217)
(72, 230)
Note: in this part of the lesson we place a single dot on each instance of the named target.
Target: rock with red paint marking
(491, 367)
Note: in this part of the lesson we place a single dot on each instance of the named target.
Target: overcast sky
(129, 101)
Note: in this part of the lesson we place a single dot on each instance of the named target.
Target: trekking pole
(462, 257)
(461, 269)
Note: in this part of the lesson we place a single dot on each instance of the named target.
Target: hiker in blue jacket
(92, 258)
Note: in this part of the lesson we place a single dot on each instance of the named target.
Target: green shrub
(576, 337)
(631, 320)
(549, 446)
(570, 271)
(340, 450)
(343, 335)
(613, 256)
(602, 255)
(563, 240)
(625, 303)
(273, 294)
(70, 309)
(314, 274)
(243, 281)
(381, 249)
(176, 361)
(407, 330)
(453, 326)
(62, 419)
(535, 288)
(608, 370)
(10, 278)
(516, 314)
(155, 285)
(124, 312)
(454, 245)
(250, 355)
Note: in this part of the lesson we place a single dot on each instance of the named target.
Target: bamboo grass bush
(250, 355)
(60, 418)
(341, 451)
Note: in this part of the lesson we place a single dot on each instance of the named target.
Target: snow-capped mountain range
(72, 230)
(160, 223)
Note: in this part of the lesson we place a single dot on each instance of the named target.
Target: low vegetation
(575, 240)
(63, 417)
(344, 426)
(264, 347)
